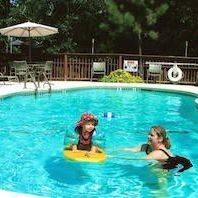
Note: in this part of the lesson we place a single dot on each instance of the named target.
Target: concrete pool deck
(12, 88)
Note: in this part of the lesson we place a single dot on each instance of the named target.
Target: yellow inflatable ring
(175, 74)
(85, 156)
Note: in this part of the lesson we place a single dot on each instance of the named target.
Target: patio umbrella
(28, 29)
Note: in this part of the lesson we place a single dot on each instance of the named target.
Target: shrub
(122, 77)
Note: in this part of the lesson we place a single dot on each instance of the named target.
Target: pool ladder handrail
(46, 81)
(33, 79)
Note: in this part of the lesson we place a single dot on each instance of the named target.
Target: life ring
(175, 74)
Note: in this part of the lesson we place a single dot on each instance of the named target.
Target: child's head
(87, 121)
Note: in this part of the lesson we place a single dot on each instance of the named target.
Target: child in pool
(85, 128)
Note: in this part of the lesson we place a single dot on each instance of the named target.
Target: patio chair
(21, 69)
(154, 70)
(43, 70)
(9, 78)
(11, 68)
(98, 68)
(48, 69)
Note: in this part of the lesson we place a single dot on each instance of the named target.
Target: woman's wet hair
(161, 132)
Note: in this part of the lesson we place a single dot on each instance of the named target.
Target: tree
(76, 20)
(138, 16)
(4, 12)
(151, 26)
(178, 25)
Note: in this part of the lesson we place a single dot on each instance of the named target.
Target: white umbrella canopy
(28, 29)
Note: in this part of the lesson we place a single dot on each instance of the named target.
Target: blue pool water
(32, 131)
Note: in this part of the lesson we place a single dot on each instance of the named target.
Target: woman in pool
(85, 129)
(157, 149)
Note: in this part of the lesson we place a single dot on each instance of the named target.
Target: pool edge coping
(143, 86)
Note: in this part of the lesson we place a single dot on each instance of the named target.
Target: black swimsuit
(85, 143)
(173, 162)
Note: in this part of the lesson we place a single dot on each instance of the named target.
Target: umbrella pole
(30, 57)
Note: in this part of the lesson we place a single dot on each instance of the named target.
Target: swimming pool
(33, 129)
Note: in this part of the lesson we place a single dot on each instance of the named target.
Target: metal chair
(3, 77)
(98, 68)
(21, 69)
(48, 69)
(154, 70)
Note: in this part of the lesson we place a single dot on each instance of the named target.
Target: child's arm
(93, 149)
(74, 147)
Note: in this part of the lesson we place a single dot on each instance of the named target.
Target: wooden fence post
(120, 62)
(65, 66)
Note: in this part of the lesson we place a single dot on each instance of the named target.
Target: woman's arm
(156, 155)
(134, 150)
